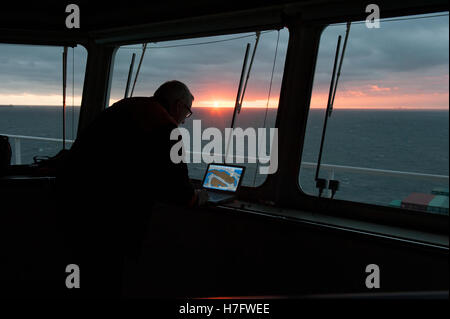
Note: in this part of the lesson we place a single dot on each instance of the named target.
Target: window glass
(31, 98)
(387, 137)
(211, 68)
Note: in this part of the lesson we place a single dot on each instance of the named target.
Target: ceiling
(101, 19)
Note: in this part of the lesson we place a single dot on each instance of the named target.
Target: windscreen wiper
(240, 96)
(248, 71)
(321, 183)
(64, 61)
(144, 47)
(130, 73)
(237, 104)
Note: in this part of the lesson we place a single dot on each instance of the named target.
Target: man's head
(176, 98)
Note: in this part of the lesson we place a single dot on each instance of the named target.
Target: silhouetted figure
(113, 174)
(5, 155)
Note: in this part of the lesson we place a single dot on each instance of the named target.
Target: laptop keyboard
(218, 196)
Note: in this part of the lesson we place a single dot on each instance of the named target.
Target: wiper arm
(340, 65)
(240, 96)
(248, 72)
(130, 73)
(64, 57)
(327, 112)
(144, 47)
(236, 105)
(320, 182)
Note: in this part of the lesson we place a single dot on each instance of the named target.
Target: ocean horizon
(400, 108)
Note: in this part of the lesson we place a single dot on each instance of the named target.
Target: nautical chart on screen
(223, 177)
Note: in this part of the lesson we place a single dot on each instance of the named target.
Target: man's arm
(175, 186)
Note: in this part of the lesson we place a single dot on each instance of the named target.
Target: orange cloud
(376, 88)
(431, 100)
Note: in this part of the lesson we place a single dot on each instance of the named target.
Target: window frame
(385, 215)
(30, 43)
(261, 28)
(291, 195)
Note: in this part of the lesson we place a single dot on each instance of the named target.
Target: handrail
(353, 169)
(17, 146)
(37, 138)
(329, 167)
(375, 171)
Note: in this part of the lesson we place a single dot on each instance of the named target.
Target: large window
(387, 137)
(31, 98)
(211, 67)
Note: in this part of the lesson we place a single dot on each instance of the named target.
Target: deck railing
(330, 169)
(18, 147)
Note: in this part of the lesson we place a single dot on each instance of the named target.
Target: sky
(401, 65)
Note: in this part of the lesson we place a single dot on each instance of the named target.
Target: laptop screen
(223, 177)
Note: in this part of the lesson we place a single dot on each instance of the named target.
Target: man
(118, 167)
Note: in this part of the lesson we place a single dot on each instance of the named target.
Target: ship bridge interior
(275, 239)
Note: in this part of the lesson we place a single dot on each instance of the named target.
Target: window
(31, 112)
(387, 138)
(211, 68)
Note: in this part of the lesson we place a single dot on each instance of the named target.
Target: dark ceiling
(100, 15)
(94, 16)
(22, 22)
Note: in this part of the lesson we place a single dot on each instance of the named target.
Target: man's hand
(202, 197)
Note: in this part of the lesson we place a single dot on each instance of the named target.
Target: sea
(403, 141)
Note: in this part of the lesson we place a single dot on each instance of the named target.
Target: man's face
(181, 111)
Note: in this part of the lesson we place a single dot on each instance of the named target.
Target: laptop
(222, 181)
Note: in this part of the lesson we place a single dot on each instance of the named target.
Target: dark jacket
(109, 180)
(126, 151)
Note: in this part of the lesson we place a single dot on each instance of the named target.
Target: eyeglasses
(189, 111)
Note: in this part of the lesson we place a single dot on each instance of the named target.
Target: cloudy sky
(404, 64)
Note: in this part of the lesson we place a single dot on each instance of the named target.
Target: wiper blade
(340, 66)
(320, 182)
